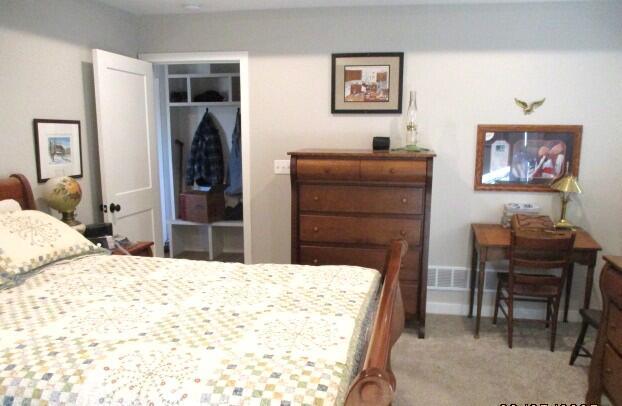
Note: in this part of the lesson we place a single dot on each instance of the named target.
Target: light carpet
(450, 367)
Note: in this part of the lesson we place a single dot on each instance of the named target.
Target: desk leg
(480, 290)
(568, 291)
(472, 280)
(589, 281)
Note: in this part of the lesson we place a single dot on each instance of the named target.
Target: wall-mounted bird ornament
(529, 108)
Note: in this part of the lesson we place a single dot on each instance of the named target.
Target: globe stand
(69, 218)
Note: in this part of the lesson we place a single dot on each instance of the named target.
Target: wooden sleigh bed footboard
(375, 384)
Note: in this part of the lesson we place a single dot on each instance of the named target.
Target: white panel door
(128, 146)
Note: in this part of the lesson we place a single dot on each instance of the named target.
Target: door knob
(114, 207)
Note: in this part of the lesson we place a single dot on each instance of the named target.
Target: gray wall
(46, 72)
(467, 63)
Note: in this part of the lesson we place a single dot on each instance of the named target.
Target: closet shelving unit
(220, 240)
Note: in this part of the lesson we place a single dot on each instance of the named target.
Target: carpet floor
(450, 367)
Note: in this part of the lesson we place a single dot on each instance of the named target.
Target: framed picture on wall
(58, 149)
(526, 158)
(367, 83)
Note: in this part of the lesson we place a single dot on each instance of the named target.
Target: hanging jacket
(205, 165)
(235, 160)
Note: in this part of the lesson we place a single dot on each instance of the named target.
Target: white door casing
(127, 141)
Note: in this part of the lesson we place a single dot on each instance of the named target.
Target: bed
(102, 329)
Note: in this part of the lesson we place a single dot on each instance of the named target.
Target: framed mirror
(527, 158)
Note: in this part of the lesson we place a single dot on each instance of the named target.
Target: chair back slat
(540, 251)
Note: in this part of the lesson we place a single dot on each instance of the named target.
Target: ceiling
(143, 7)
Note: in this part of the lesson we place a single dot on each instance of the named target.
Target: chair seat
(591, 316)
(524, 289)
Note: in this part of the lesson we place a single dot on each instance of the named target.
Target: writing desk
(491, 242)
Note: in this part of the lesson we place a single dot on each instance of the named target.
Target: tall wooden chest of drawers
(606, 366)
(347, 205)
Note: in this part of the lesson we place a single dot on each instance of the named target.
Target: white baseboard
(459, 309)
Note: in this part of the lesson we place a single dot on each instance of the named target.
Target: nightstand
(137, 249)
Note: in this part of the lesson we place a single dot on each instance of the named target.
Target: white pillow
(30, 239)
(9, 205)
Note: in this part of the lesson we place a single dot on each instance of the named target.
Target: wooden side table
(137, 249)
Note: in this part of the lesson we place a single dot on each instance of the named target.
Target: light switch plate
(281, 166)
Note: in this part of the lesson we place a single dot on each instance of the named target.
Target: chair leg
(548, 313)
(510, 304)
(554, 322)
(579, 344)
(497, 300)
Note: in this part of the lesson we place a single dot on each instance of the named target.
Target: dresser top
(360, 153)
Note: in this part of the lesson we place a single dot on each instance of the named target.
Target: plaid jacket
(205, 165)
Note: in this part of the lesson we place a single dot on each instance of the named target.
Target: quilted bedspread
(150, 331)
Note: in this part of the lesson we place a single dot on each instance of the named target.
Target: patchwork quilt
(127, 330)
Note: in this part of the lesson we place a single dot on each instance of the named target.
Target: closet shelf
(224, 223)
(205, 104)
(203, 75)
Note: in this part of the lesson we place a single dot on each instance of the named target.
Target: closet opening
(202, 120)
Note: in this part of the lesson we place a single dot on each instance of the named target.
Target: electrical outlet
(281, 166)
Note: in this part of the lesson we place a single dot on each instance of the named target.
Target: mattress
(151, 331)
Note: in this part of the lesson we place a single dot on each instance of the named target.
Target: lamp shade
(567, 184)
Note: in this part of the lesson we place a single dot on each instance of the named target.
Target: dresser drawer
(614, 326)
(359, 230)
(612, 374)
(410, 297)
(394, 171)
(328, 169)
(361, 199)
(366, 257)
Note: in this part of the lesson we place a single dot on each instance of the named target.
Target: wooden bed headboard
(18, 188)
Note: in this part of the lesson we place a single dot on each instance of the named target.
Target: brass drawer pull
(316, 229)
(315, 261)
(316, 198)
(391, 170)
(403, 233)
(404, 200)
(608, 370)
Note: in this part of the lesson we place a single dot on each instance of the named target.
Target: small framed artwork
(367, 83)
(58, 149)
(526, 158)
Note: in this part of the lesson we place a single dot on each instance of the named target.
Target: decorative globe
(63, 194)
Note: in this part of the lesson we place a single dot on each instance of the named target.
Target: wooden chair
(590, 317)
(540, 251)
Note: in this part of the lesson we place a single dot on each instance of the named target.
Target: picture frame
(58, 148)
(367, 83)
(525, 158)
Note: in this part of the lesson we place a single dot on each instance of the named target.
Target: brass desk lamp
(566, 185)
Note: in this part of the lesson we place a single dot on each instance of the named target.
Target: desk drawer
(359, 230)
(328, 169)
(614, 324)
(394, 171)
(366, 257)
(361, 199)
(612, 374)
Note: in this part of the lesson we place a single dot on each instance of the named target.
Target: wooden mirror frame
(574, 130)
